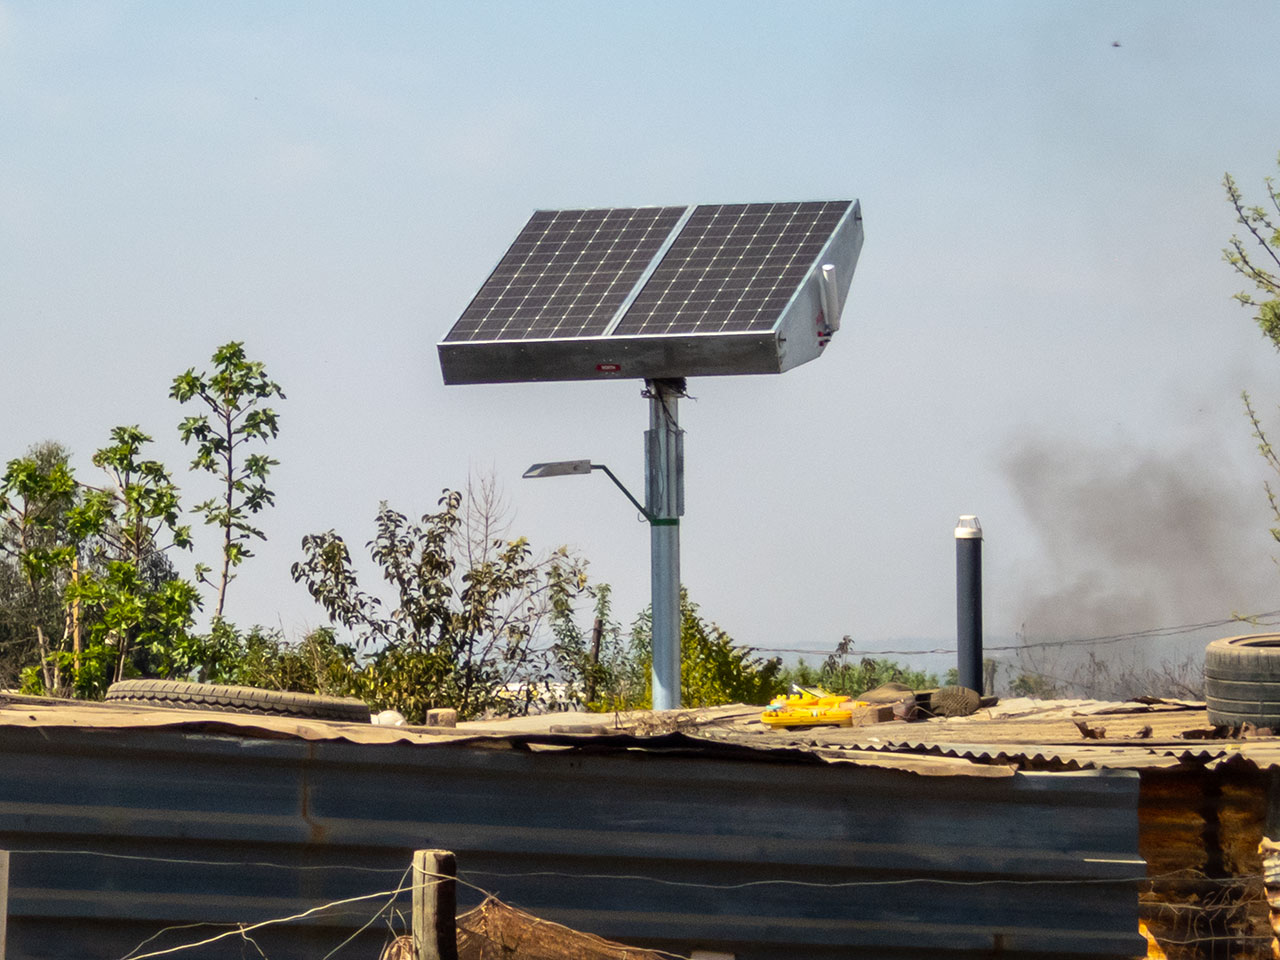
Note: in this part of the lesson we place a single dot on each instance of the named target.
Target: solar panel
(659, 292)
(734, 267)
(566, 274)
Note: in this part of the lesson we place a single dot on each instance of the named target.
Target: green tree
(36, 493)
(318, 663)
(1272, 460)
(583, 663)
(138, 611)
(841, 674)
(1258, 262)
(713, 669)
(103, 600)
(462, 630)
(233, 393)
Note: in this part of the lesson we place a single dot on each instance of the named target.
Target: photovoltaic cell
(733, 268)
(567, 274)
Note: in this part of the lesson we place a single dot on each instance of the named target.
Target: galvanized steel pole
(664, 503)
(969, 602)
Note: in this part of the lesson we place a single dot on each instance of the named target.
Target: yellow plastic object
(809, 707)
(1154, 950)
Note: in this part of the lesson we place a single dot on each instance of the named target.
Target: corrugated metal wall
(758, 858)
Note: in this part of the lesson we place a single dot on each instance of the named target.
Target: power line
(1260, 619)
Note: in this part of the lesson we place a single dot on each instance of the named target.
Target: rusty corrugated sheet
(1199, 834)
(120, 833)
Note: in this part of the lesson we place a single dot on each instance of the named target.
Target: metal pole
(664, 495)
(969, 602)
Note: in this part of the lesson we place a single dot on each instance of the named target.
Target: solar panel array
(728, 268)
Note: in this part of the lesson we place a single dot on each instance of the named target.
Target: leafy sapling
(234, 393)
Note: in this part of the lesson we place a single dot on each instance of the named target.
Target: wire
(242, 929)
(833, 885)
(248, 939)
(179, 926)
(1170, 875)
(850, 653)
(380, 911)
(1155, 632)
(1260, 619)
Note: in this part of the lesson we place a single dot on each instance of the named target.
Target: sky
(1039, 331)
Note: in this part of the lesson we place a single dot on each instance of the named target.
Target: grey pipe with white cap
(969, 602)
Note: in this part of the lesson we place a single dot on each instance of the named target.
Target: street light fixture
(565, 468)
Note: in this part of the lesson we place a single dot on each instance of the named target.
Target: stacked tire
(1242, 681)
(209, 696)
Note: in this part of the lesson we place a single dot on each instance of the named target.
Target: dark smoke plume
(1135, 540)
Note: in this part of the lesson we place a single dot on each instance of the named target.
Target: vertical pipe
(662, 492)
(969, 602)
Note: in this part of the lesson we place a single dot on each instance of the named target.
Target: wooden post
(435, 904)
(4, 897)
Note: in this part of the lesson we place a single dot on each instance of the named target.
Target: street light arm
(618, 483)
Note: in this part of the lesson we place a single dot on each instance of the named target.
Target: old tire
(1242, 680)
(210, 696)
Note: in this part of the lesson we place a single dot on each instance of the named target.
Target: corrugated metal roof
(1032, 735)
(124, 824)
(1022, 733)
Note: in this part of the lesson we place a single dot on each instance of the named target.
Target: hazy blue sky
(1039, 331)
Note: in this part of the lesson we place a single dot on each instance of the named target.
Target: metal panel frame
(610, 358)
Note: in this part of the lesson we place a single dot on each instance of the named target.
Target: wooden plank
(435, 901)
